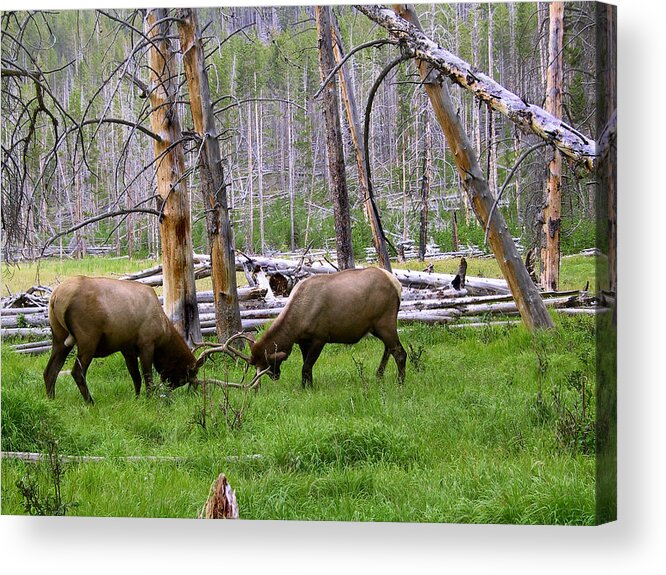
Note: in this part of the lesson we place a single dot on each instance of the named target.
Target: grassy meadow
(492, 425)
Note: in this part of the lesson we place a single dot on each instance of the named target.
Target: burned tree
(220, 237)
(531, 307)
(550, 250)
(358, 139)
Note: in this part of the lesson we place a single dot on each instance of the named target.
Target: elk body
(102, 316)
(337, 308)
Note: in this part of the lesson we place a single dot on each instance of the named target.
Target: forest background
(263, 72)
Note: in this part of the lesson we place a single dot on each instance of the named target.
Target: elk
(341, 307)
(102, 316)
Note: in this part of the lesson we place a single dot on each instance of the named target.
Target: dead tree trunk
(336, 160)
(425, 189)
(180, 301)
(454, 230)
(529, 303)
(550, 250)
(220, 235)
(357, 137)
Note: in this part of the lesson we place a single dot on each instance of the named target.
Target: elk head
(268, 361)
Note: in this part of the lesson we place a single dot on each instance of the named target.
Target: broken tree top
(527, 116)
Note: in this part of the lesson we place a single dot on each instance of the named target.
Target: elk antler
(252, 385)
(226, 347)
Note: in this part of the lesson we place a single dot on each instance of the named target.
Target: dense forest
(76, 145)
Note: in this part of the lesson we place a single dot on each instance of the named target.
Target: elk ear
(277, 356)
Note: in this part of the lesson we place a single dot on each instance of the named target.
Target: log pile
(427, 298)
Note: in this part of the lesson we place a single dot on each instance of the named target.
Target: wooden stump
(459, 281)
(221, 502)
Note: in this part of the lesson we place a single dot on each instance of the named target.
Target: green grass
(490, 429)
(464, 440)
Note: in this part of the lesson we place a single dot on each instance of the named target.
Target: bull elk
(102, 316)
(337, 308)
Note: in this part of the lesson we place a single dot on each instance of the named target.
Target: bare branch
(353, 51)
(97, 219)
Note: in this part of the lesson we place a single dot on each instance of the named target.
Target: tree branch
(97, 219)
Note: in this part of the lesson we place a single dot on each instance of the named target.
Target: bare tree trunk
(336, 161)
(179, 291)
(260, 167)
(349, 99)
(250, 180)
(405, 190)
(529, 303)
(290, 169)
(491, 143)
(425, 188)
(220, 236)
(550, 250)
(606, 109)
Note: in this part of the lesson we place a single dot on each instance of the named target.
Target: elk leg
(392, 345)
(400, 356)
(59, 353)
(383, 362)
(79, 374)
(305, 347)
(147, 368)
(132, 363)
(314, 350)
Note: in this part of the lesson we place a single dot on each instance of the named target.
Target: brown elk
(337, 308)
(102, 316)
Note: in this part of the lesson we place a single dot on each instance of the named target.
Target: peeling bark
(180, 302)
(220, 235)
(550, 252)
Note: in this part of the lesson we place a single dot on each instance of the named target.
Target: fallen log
(9, 311)
(483, 324)
(30, 320)
(430, 317)
(437, 281)
(143, 273)
(25, 332)
(410, 294)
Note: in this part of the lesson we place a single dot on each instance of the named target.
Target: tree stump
(459, 281)
(221, 503)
